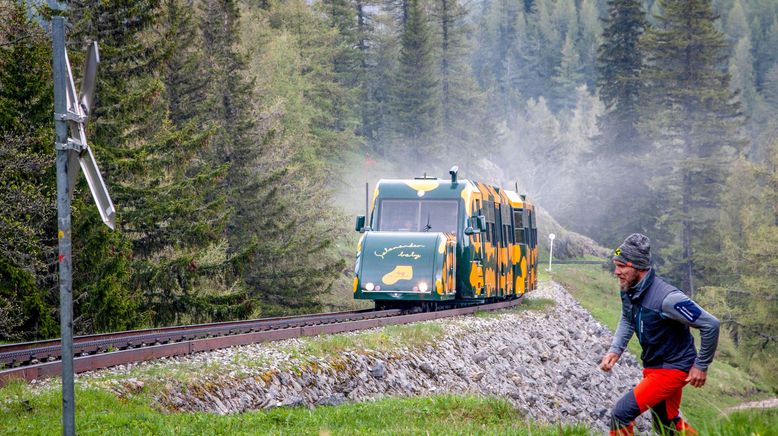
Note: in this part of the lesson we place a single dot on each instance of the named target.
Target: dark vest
(666, 343)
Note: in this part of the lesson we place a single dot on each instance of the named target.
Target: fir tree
(498, 69)
(568, 76)
(695, 124)
(415, 105)
(619, 68)
(463, 117)
(185, 71)
(28, 291)
(169, 210)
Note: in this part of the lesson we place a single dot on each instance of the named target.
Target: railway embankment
(545, 362)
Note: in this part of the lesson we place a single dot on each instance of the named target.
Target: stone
(378, 371)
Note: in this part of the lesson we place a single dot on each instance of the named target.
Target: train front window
(418, 216)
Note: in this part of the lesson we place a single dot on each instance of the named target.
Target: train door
(498, 250)
(521, 239)
(489, 244)
(507, 241)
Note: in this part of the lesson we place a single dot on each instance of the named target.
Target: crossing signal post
(71, 111)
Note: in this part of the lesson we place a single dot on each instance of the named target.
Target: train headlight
(423, 287)
(369, 286)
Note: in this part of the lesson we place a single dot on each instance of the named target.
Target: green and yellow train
(430, 242)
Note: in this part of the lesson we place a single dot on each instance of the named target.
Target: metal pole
(550, 250)
(63, 221)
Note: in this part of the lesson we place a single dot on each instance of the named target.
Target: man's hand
(697, 377)
(608, 361)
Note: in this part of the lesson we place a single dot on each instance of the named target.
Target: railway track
(34, 360)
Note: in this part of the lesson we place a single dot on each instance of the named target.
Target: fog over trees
(223, 126)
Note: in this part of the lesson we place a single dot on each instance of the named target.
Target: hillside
(541, 358)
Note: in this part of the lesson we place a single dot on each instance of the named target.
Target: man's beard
(630, 284)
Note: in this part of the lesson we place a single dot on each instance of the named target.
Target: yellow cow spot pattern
(359, 244)
(400, 272)
(423, 185)
(356, 282)
(442, 246)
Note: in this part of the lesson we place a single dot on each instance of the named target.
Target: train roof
(435, 188)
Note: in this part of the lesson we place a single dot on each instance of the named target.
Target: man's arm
(679, 307)
(624, 332)
(621, 338)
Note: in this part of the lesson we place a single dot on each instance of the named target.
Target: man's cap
(635, 251)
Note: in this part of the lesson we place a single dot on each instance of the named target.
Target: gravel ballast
(545, 362)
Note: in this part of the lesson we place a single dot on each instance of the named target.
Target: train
(431, 243)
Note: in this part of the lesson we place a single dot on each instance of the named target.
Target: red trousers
(660, 391)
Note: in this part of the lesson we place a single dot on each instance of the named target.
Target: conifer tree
(568, 76)
(591, 36)
(619, 147)
(28, 291)
(498, 68)
(154, 269)
(415, 105)
(185, 72)
(749, 230)
(463, 117)
(619, 68)
(283, 229)
(742, 71)
(696, 125)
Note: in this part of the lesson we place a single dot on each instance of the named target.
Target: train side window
(496, 224)
(518, 231)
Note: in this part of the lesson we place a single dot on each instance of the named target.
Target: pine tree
(159, 266)
(619, 147)
(696, 125)
(464, 123)
(749, 231)
(742, 71)
(619, 68)
(26, 95)
(496, 71)
(415, 105)
(287, 229)
(568, 76)
(591, 37)
(185, 72)
(28, 291)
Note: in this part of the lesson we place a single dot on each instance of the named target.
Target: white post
(550, 249)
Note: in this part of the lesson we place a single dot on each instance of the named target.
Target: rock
(332, 400)
(379, 370)
(428, 369)
(481, 356)
(544, 362)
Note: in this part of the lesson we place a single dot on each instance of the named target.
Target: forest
(224, 129)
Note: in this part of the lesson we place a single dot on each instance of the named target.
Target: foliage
(692, 118)
(27, 185)
(414, 105)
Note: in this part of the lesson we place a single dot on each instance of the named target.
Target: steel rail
(208, 337)
(24, 353)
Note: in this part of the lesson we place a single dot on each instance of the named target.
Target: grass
(99, 412)
(597, 291)
(388, 338)
(754, 422)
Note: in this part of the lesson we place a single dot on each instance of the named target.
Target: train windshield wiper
(428, 226)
